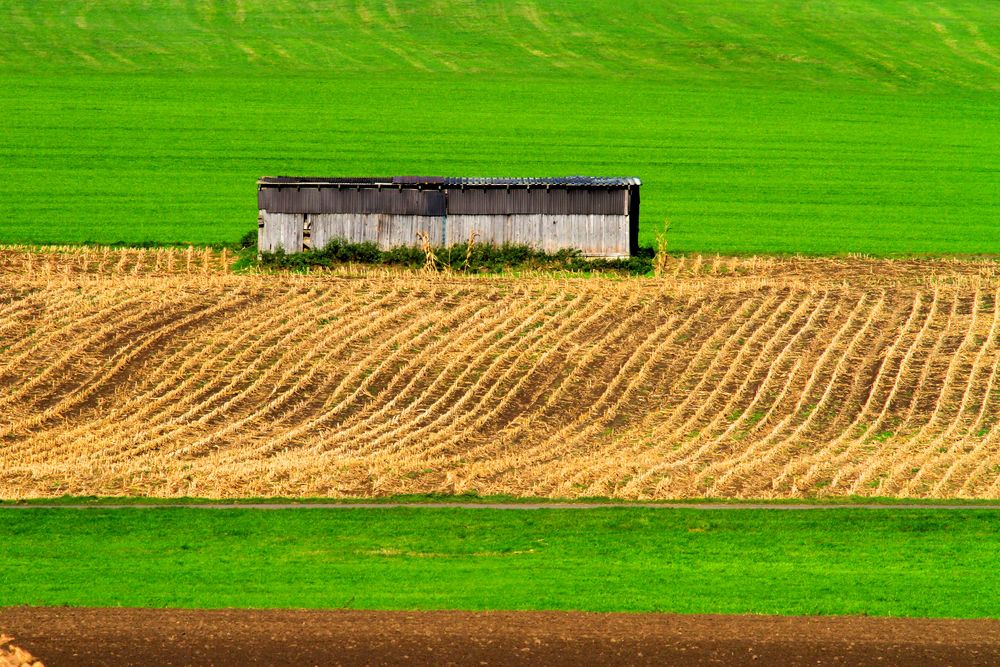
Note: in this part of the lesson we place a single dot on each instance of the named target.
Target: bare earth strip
(158, 373)
(85, 637)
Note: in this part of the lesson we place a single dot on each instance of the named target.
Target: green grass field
(900, 562)
(841, 126)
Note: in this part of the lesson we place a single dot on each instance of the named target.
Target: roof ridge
(562, 181)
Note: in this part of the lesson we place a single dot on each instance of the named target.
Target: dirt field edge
(124, 636)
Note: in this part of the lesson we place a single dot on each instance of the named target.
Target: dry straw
(746, 377)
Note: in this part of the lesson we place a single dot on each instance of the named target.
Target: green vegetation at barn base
(900, 562)
(848, 126)
(479, 258)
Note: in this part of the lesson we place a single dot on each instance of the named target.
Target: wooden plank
(281, 231)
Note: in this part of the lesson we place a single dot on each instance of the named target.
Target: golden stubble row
(51, 262)
(358, 382)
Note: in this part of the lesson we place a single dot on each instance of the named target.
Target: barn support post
(633, 220)
(261, 213)
(444, 216)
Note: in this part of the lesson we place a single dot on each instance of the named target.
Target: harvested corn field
(728, 377)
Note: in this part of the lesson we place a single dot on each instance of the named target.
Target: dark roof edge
(448, 181)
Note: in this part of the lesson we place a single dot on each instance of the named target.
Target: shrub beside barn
(598, 216)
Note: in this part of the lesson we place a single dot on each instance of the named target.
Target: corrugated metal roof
(572, 181)
(419, 180)
(319, 180)
(464, 181)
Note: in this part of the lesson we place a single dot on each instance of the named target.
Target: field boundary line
(510, 506)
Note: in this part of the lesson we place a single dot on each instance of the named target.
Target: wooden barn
(598, 216)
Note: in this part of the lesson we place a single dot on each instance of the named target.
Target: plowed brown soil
(85, 637)
(157, 373)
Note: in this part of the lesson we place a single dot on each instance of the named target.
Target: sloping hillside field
(156, 373)
(784, 126)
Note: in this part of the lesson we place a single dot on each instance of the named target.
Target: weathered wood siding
(280, 230)
(595, 235)
(385, 229)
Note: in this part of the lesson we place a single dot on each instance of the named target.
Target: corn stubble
(156, 372)
(12, 655)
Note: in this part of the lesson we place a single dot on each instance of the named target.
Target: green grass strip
(898, 562)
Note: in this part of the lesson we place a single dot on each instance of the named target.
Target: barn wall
(601, 222)
(385, 229)
(594, 235)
